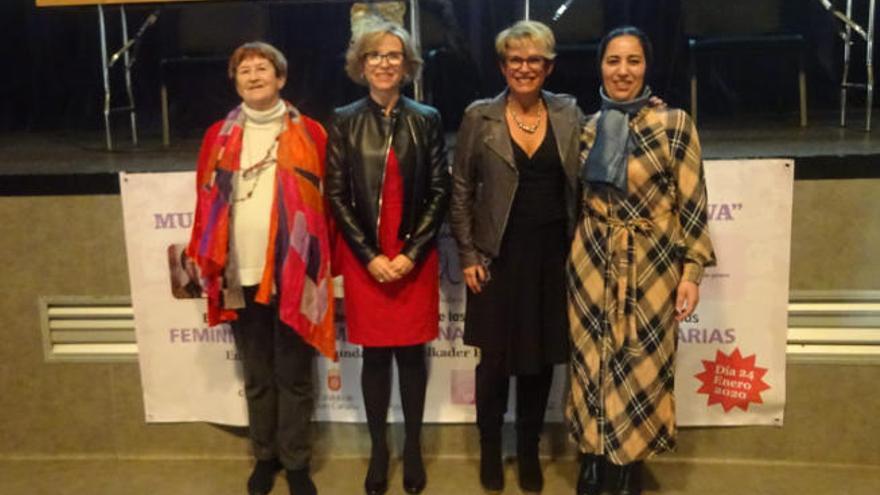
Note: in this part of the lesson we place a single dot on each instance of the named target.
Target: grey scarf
(607, 161)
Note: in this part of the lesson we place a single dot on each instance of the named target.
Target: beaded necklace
(257, 170)
(531, 129)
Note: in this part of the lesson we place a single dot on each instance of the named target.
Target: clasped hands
(386, 270)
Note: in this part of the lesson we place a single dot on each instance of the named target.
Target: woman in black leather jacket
(388, 187)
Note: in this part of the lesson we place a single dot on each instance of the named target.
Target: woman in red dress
(388, 186)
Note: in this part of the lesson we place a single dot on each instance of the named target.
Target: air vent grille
(88, 329)
(841, 327)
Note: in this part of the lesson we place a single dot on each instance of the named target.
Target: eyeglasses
(534, 62)
(376, 58)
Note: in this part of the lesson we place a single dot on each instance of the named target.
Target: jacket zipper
(384, 171)
(411, 221)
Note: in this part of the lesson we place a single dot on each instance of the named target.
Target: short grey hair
(366, 40)
(534, 32)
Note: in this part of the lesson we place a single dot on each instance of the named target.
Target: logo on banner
(732, 381)
(334, 380)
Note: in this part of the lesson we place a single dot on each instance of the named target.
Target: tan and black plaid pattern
(627, 258)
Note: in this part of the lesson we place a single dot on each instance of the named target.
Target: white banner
(730, 367)
(731, 360)
(188, 370)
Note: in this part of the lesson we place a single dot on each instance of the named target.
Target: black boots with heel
(629, 479)
(589, 480)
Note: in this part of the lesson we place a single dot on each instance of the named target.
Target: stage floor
(445, 476)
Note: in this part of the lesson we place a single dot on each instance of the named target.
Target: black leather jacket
(360, 137)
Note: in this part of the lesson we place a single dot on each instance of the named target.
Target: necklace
(531, 129)
(256, 170)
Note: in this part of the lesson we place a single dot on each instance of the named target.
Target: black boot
(492, 383)
(376, 482)
(590, 477)
(530, 477)
(491, 468)
(629, 479)
(300, 483)
(532, 391)
(263, 477)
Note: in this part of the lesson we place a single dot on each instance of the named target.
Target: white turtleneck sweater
(251, 217)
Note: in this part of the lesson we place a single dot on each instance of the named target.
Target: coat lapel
(563, 126)
(498, 138)
(561, 121)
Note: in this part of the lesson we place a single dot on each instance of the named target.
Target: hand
(402, 265)
(474, 276)
(687, 296)
(657, 102)
(381, 270)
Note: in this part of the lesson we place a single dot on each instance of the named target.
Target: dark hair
(627, 31)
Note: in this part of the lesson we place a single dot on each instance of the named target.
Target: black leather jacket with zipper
(360, 139)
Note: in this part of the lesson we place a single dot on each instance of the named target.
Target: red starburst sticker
(732, 381)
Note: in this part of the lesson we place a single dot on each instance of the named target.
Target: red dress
(400, 313)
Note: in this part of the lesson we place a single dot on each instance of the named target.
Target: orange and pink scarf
(298, 249)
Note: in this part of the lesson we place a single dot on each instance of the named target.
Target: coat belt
(620, 250)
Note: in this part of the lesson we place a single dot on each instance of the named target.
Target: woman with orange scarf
(261, 243)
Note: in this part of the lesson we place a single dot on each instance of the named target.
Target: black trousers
(278, 383)
(376, 386)
(532, 393)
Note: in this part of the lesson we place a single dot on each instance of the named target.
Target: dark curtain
(53, 79)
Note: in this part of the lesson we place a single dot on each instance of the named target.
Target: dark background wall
(53, 79)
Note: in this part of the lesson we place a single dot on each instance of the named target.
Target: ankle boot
(590, 477)
(629, 479)
(414, 476)
(491, 468)
(376, 482)
(263, 476)
(300, 483)
(530, 477)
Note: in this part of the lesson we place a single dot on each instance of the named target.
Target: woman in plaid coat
(634, 268)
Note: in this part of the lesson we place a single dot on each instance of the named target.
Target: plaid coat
(627, 258)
